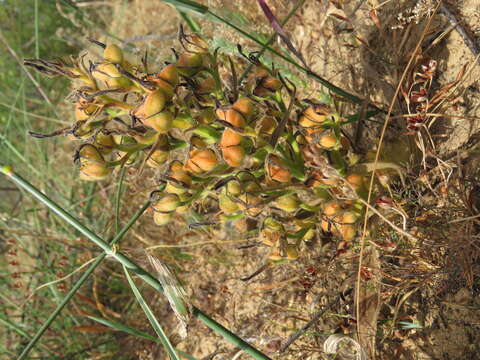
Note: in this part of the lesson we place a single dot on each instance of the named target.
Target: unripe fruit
(288, 203)
(105, 71)
(113, 54)
(165, 87)
(161, 219)
(201, 160)
(104, 143)
(272, 224)
(233, 188)
(167, 203)
(161, 122)
(92, 164)
(227, 205)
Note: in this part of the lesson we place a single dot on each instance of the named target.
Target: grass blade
(148, 278)
(188, 5)
(124, 328)
(151, 317)
(129, 330)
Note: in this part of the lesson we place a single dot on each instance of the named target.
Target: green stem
(125, 261)
(81, 280)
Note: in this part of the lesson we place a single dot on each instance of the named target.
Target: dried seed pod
(348, 217)
(201, 160)
(161, 122)
(267, 86)
(157, 158)
(347, 231)
(153, 103)
(205, 86)
(315, 116)
(288, 203)
(233, 155)
(275, 254)
(267, 125)
(85, 111)
(244, 106)
(169, 74)
(113, 54)
(166, 203)
(272, 231)
(188, 64)
(328, 141)
(195, 44)
(231, 116)
(331, 211)
(277, 171)
(356, 181)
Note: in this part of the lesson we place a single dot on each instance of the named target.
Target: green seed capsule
(167, 203)
(113, 54)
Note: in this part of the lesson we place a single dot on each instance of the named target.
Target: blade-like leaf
(151, 317)
(124, 328)
(135, 332)
(188, 5)
(279, 30)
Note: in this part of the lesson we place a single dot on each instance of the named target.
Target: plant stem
(79, 283)
(125, 261)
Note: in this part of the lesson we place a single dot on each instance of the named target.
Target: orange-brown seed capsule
(277, 171)
(201, 160)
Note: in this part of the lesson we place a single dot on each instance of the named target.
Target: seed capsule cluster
(251, 150)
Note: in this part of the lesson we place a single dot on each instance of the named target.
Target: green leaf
(124, 328)
(151, 317)
(188, 5)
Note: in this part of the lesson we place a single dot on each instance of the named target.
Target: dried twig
(315, 318)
